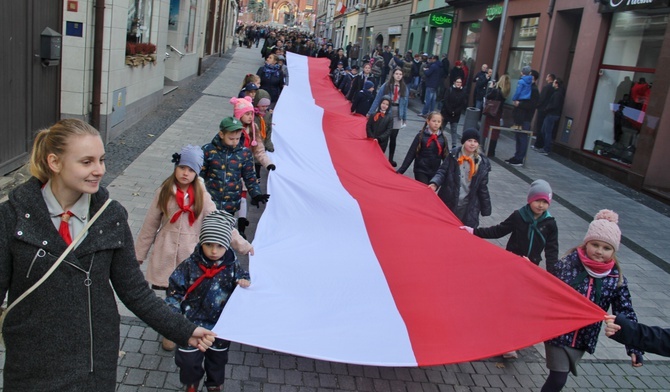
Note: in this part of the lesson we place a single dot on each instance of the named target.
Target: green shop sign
(441, 20)
(494, 11)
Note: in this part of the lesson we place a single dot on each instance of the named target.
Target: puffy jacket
(571, 271)
(224, 169)
(204, 304)
(448, 178)
(427, 159)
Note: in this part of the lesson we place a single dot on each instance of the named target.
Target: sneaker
(543, 153)
(421, 115)
(516, 163)
(216, 388)
(509, 161)
(511, 355)
(533, 147)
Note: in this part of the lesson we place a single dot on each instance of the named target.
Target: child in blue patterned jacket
(592, 270)
(227, 164)
(199, 289)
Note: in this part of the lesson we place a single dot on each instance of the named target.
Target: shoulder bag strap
(58, 262)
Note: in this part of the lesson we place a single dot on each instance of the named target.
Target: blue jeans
(479, 104)
(548, 130)
(521, 142)
(429, 106)
(415, 82)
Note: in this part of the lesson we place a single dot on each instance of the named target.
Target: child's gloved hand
(467, 228)
(262, 198)
(243, 283)
(271, 166)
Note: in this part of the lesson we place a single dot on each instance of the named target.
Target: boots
(492, 148)
(242, 224)
(168, 345)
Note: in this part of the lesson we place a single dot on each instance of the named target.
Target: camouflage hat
(230, 124)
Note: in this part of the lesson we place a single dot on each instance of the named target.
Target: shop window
(521, 50)
(138, 29)
(625, 82)
(469, 46)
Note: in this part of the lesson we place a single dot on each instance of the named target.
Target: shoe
(533, 147)
(168, 345)
(421, 115)
(216, 388)
(543, 153)
(393, 163)
(511, 355)
(516, 163)
(192, 388)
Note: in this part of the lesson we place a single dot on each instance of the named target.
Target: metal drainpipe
(550, 10)
(97, 63)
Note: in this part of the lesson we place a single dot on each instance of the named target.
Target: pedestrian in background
(493, 117)
(379, 125)
(173, 220)
(545, 94)
(454, 102)
(594, 271)
(462, 180)
(395, 88)
(523, 114)
(363, 99)
(433, 77)
(428, 149)
(199, 289)
(78, 349)
(553, 112)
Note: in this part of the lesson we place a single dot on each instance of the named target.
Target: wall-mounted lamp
(50, 47)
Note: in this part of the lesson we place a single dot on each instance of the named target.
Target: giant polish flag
(355, 263)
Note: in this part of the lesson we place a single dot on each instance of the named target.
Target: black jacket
(427, 159)
(651, 339)
(454, 102)
(519, 241)
(362, 102)
(448, 178)
(555, 105)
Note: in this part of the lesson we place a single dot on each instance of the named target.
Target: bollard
(471, 118)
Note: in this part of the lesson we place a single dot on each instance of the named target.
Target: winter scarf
(529, 218)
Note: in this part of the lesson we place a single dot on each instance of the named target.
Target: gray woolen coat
(64, 336)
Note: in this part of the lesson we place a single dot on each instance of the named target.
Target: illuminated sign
(629, 5)
(494, 11)
(440, 20)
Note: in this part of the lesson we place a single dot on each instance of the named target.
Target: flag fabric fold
(355, 263)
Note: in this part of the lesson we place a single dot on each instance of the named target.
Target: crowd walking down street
(197, 111)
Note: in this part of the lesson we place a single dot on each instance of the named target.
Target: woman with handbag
(493, 109)
(61, 329)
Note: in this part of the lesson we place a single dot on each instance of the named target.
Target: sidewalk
(144, 366)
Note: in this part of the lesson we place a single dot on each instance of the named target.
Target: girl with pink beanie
(593, 270)
(243, 110)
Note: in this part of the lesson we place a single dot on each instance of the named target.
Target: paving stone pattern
(139, 160)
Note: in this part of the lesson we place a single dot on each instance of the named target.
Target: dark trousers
(422, 177)
(190, 360)
(521, 142)
(392, 143)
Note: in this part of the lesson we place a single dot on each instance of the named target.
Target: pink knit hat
(605, 228)
(241, 106)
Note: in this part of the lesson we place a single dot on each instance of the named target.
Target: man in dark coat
(553, 113)
(545, 94)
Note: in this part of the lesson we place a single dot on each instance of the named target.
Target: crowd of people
(195, 225)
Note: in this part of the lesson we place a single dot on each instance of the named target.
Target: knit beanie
(526, 70)
(241, 106)
(539, 190)
(468, 134)
(605, 228)
(368, 85)
(264, 102)
(191, 156)
(217, 228)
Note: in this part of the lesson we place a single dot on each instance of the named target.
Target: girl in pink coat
(173, 221)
